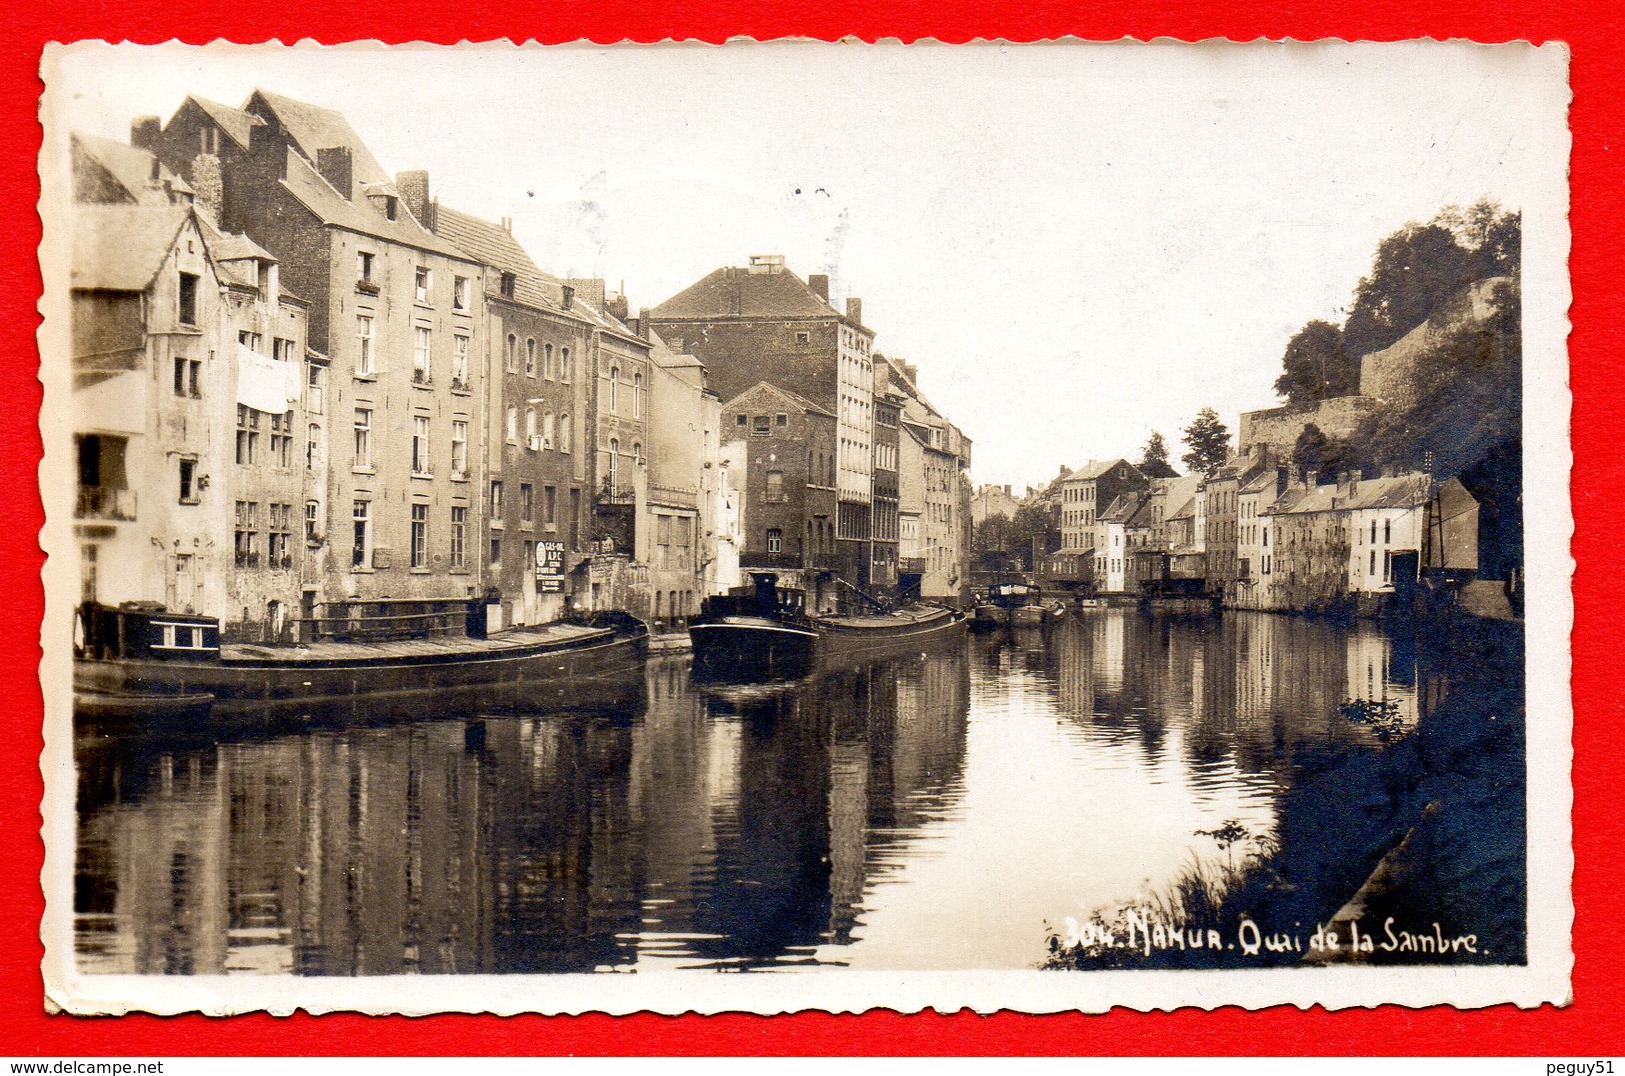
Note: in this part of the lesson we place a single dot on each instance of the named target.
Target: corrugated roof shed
(122, 247)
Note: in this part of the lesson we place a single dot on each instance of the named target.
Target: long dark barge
(764, 632)
(153, 655)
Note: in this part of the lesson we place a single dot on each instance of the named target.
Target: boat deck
(898, 618)
(513, 639)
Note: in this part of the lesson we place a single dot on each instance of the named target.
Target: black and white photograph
(801, 525)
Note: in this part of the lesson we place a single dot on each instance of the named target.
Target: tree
(1316, 366)
(1314, 451)
(1209, 442)
(1421, 266)
(993, 534)
(1155, 451)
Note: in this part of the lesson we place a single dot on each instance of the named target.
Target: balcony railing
(105, 502)
(911, 565)
(609, 493)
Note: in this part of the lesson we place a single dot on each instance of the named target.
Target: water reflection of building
(824, 783)
(1254, 687)
(496, 845)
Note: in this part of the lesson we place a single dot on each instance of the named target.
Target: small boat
(1036, 614)
(999, 605)
(764, 632)
(139, 652)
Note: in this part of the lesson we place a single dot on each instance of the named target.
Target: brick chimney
(336, 167)
(208, 185)
(819, 283)
(144, 132)
(569, 297)
(854, 311)
(643, 320)
(414, 191)
(617, 306)
(1311, 479)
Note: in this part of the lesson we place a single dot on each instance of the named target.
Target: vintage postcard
(805, 525)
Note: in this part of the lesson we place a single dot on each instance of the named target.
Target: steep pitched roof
(312, 127)
(1156, 469)
(318, 196)
(797, 401)
(122, 247)
(237, 124)
(1186, 510)
(1327, 498)
(1258, 483)
(131, 168)
(492, 244)
(1122, 508)
(1400, 491)
(231, 246)
(739, 293)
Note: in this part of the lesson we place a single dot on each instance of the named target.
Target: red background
(1592, 1025)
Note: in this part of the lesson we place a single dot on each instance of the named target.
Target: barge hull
(310, 680)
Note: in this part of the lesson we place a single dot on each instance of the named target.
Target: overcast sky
(1076, 244)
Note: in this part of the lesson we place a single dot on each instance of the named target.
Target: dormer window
(507, 285)
(389, 207)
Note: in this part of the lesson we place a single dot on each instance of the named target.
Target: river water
(938, 811)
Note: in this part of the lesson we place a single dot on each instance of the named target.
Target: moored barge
(157, 655)
(764, 632)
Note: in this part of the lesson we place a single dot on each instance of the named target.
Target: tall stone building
(393, 309)
(761, 322)
(533, 450)
(189, 363)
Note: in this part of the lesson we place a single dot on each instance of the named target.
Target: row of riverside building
(1262, 532)
(304, 391)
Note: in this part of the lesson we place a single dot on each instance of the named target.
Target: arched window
(614, 384)
(565, 373)
(530, 426)
(548, 370)
(530, 356)
(637, 395)
(614, 460)
(637, 452)
(513, 424)
(564, 432)
(775, 540)
(510, 357)
(549, 431)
